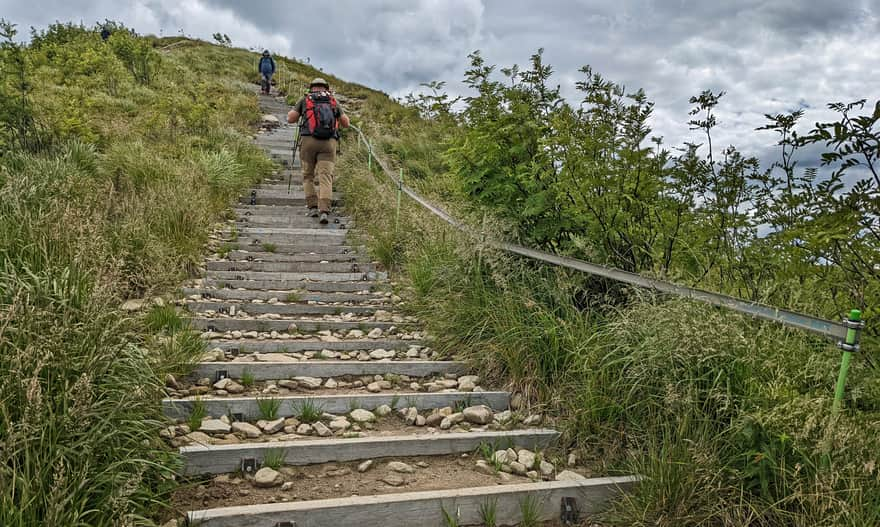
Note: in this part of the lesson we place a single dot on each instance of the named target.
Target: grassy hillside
(728, 418)
(115, 159)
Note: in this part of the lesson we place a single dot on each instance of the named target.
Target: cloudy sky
(769, 56)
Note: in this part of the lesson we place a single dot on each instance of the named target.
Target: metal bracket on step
(253, 197)
(239, 277)
(255, 242)
(248, 465)
(285, 524)
(238, 417)
(220, 375)
(249, 258)
(206, 295)
(223, 310)
(355, 268)
(212, 329)
(364, 277)
(569, 513)
(233, 351)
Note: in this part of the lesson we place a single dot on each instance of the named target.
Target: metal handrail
(828, 328)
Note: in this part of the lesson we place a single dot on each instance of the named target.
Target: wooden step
(282, 295)
(249, 408)
(219, 459)
(284, 309)
(245, 346)
(264, 371)
(290, 267)
(422, 509)
(302, 324)
(325, 287)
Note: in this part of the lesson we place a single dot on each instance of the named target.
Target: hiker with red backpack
(319, 130)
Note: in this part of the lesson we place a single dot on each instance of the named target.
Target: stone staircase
(320, 404)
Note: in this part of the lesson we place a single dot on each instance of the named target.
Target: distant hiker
(105, 33)
(267, 69)
(322, 118)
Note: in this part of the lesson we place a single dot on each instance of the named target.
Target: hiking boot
(324, 218)
(313, 212)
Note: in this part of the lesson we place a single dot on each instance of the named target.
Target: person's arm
(293, 115)
(344, 121)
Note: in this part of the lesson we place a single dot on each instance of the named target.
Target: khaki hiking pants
(318, 157)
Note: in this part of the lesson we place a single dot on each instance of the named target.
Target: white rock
(479, 415)
(518, 468)
(134, 304)
(267, 477)
(355, 334)
(359, 415)
(527, 458)
(532, 420)
(502, 457)
(467, 383)
(484, 468)
(250, 431)
(270, 427)
(412, 414)
(331, 384)
(339, 425)
(383, 410)
(304, 429)
(322, 429)
(546, 469)
(365, 466)
(378, 354)
(568, 475)
(375, 333)
(214, 426)
(399, 466)
(308, 382)
(382, 316)
(452, 420)
(503, 417)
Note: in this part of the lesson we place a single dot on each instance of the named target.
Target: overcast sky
(769, 56)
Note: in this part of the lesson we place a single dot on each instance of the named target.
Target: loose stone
(479, 415)
(399, 466)
(365, 466)
(267, 477)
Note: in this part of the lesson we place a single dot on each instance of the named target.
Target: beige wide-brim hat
(318, 81)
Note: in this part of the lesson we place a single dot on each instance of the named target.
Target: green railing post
(399, 192)
(849, 346)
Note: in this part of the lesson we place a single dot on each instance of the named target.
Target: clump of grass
(269, 247)
(274, 458)
(487, 452)
(247, 378)
(164, 318)
(530, 511)
(198, 412)
(226, 248)
(268, 407)
(449, 519)
(309, 411)
(293, 297)
(489, 513)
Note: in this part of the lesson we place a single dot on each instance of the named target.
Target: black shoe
(324, 218)
(313, 212)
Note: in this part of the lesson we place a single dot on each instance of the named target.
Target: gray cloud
(769, 56)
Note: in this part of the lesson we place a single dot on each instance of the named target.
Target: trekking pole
(399, 192)
(296, 144)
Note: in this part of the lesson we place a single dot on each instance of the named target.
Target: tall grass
(118, 208)
(726, 417)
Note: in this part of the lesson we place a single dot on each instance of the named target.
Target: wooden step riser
(425, 509)
(296, 223)
(291, 267)
(245, 295)
(219, 459)
(281, 200)
(327, 236)
(295, 277)
(286, 310)
(243, 324)
(259, 256)
(324, 287)
(245, 346)
(245, 242)
(269, 371)
(336, 404)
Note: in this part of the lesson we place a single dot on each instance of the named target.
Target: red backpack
(320, 115)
